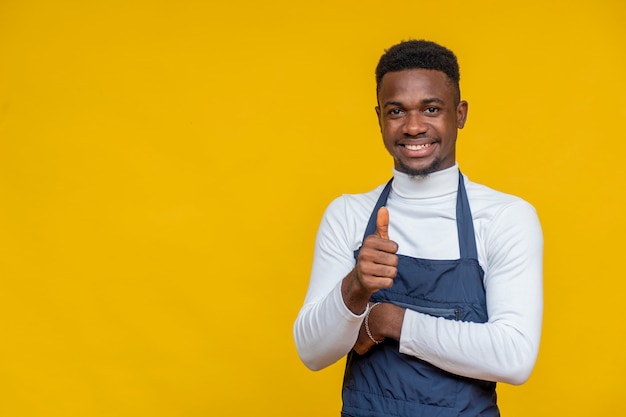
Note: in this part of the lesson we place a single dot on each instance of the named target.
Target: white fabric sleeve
(325, 329)
(505, 348)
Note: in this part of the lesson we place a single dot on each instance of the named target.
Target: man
(431, 284)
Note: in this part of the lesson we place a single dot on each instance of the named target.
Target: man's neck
(436, 184)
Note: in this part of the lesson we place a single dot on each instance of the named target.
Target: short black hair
(419, 54)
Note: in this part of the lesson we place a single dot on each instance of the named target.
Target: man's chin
(418, 172)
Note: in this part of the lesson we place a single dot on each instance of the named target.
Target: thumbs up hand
(376, 266)
(377, 261)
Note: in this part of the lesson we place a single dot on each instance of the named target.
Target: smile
(417, 147)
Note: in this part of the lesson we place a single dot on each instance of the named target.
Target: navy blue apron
(384, 382)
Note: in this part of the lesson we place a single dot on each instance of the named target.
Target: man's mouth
(417, 147)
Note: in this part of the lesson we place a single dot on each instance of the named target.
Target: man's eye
(395, 112)
(431, 109)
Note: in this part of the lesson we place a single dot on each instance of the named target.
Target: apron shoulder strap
(464, 223)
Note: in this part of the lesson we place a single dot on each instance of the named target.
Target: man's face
(419, 116)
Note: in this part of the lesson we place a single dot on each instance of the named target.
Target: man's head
(419, 55)
(419, 108)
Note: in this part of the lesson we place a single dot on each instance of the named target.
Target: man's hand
(384, 321)
(376, 266)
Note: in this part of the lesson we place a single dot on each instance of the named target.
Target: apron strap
(464, 223)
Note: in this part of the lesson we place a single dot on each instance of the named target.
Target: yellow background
(164, 166)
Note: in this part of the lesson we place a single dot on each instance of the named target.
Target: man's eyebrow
(428, 100)
(433, 100)
(392, 103)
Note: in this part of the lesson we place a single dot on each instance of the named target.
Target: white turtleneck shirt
(422, 221)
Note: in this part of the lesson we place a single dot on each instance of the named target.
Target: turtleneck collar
(437, 184)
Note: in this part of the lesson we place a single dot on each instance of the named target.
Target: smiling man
(430, 284)
(419, 113)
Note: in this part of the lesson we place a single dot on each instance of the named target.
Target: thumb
(382, 223)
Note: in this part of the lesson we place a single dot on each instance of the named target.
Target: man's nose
(415, 125)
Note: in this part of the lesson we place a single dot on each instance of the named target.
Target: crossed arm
(503, 349)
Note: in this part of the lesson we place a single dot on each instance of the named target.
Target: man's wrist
(354, 296)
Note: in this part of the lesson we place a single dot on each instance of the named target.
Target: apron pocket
(453, 313)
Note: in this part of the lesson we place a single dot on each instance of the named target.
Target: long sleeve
(325, 329)
(505, 348)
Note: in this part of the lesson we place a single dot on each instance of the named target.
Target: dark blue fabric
(385, 382)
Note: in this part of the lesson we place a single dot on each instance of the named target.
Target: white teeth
(417, 147)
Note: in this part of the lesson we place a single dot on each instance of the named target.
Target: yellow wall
(164, 166)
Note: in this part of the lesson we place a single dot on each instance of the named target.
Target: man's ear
(461, 114)
(380, 126)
